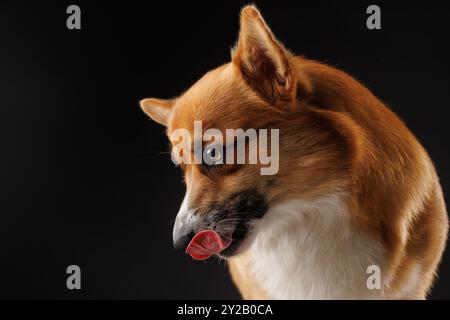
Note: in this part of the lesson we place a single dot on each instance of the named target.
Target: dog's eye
(213, 154)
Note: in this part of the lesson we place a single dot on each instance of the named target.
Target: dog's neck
(310, 250)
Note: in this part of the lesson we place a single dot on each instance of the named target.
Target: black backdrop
(84, 175)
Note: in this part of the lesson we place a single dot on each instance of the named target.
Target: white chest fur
(311, 250)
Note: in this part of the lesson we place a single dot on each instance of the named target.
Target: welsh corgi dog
(355, 210)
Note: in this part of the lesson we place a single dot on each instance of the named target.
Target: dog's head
(257, 89)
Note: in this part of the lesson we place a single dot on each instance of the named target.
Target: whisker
(233, 220)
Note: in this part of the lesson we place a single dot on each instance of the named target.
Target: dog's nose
(182, 238)
(186, 223)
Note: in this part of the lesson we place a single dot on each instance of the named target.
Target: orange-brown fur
(335, 135)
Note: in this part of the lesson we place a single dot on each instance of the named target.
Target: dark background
(84, 175)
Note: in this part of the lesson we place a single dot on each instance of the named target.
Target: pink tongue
(205, 244)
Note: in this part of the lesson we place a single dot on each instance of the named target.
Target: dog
(356, 197)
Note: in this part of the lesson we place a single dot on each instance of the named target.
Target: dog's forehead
(217, 100)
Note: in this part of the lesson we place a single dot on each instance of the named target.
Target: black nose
(180, 242)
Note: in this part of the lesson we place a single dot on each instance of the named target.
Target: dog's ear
(157, 109)
(263, 60)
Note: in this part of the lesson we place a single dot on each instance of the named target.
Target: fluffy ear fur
(157, 109)
(263, 61)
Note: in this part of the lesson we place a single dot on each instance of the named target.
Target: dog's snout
(183, 231)
(186, 224)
